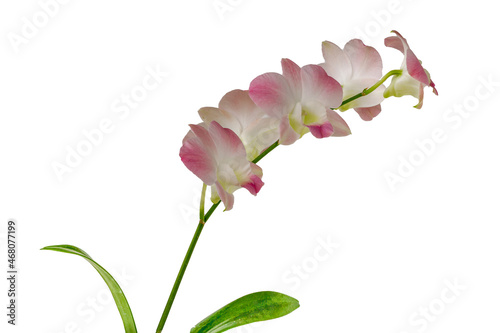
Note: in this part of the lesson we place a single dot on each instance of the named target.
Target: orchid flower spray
(224, 148)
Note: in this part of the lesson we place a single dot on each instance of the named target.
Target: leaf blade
(259, 306)
(118, 295)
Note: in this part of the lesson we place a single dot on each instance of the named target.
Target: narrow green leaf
(116, 291)
(260, 306)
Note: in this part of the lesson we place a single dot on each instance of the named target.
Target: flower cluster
(281, 108)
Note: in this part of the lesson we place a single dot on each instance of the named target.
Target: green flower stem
(204, 217)
(372, 88)
(265, 152)
(211, 210)
(202, 202)
(180, 275)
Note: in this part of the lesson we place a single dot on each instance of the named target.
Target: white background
(132, 204)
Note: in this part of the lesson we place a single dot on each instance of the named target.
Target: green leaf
(116, 291)
(260, 306)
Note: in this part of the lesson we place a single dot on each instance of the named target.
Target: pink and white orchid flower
(239, 113)
(356, 67)
(301, 99)
(217, 156)
(414, 77)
